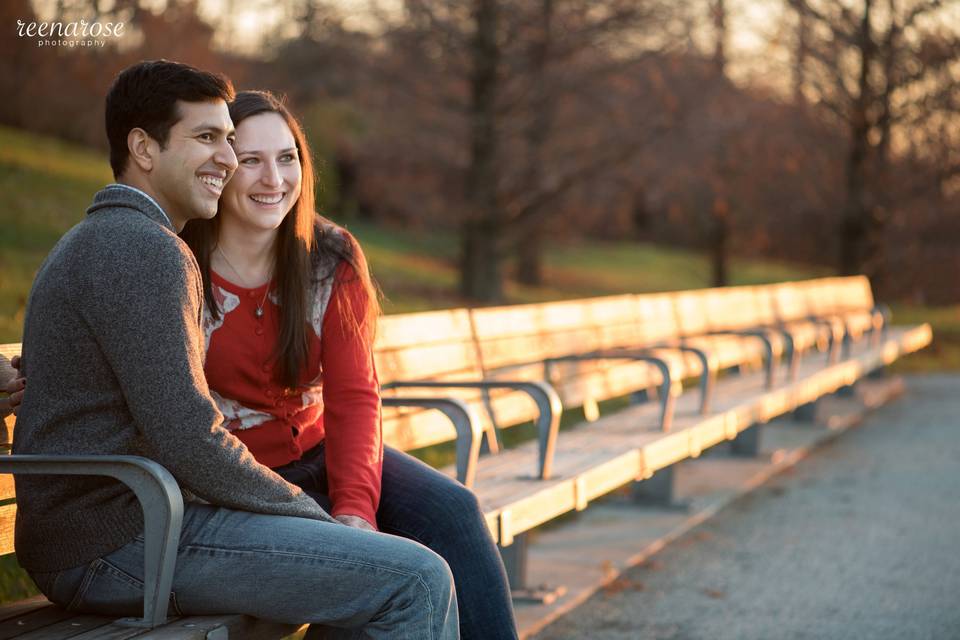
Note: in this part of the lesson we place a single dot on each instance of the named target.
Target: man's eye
(231, 140)
(206, 137)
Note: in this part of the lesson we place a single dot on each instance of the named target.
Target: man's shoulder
(126, 233)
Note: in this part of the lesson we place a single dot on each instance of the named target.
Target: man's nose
(225, 156)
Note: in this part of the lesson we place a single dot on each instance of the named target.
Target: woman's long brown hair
(306, 242)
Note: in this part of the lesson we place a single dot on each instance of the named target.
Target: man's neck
(144, 186)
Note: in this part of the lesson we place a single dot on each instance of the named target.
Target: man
(113, 352)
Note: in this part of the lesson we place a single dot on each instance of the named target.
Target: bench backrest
(429, 346)
(515, 341)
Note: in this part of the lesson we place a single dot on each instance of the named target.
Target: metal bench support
(466, 424)
(160, 500)
(747, 442)
(657, 490)
(542, 394)
(515, 561)
(806, 412)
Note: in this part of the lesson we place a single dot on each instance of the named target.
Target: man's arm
(146, 316)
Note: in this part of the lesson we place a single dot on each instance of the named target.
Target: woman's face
(267, 181)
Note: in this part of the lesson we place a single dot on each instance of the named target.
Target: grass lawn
(48, 185)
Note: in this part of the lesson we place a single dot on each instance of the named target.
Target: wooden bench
(597, 349)
(465, 376)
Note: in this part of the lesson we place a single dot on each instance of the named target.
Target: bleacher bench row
(463, 376)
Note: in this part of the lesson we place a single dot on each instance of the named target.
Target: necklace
(259, 312)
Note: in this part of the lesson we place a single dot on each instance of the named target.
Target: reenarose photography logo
(78, 33)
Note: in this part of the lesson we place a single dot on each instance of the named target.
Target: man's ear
(143, 149)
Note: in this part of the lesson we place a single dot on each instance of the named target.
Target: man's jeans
(278, 568)
(422, 504)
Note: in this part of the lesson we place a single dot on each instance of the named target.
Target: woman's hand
(356, 522)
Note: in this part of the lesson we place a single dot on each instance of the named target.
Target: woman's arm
(351, 397)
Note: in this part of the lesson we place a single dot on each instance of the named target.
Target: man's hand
(356, 522)
(15, 387)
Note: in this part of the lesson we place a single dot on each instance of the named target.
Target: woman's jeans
(422, 504)
(279, 568)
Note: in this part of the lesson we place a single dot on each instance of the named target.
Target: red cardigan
(337, 400)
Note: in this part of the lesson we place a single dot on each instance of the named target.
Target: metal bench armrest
(546, 399)
(882, 315)
(469, 431)
(162, 505)
(708, 372)
(772, 358)
(670, 387)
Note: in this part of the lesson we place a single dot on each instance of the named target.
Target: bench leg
(658, 490)
(642, 396)
(848, 391)
(747, 443)
(806, 412)
(878, 374)
(515, 562)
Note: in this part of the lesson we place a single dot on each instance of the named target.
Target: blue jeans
(293, 570)
(422, 504)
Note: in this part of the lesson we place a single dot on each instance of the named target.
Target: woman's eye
(287, 157)
(249, 161)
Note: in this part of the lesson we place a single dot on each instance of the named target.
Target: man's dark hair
(145, 95)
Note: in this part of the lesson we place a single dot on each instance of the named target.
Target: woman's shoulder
(327, 231)
(333, 247)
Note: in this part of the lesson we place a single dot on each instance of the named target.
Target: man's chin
(205, 210)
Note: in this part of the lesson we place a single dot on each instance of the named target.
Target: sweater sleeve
(146, 315)
(351, 398)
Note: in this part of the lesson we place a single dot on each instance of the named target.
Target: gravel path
(861, 540)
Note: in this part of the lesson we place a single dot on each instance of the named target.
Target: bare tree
(881, 69)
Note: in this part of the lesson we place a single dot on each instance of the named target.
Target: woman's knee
(458, 504)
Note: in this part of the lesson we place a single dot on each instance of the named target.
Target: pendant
(259, 312)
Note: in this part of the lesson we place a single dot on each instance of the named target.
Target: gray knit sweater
(113, 351)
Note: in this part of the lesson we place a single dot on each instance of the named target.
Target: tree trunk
(480, 268)
(858, 210)
(530, 245)
(720, 223)
(530, 259)
(800, 57)
(720, 243)
(481, 276)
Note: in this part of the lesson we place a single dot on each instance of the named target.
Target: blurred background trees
(819, 131)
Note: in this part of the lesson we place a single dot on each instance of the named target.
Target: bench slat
(220, 628)
(23, 607)
(6, 487)
(49, 622)
(8, 516)
(110, 632)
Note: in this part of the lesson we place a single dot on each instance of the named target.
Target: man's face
(189, 174)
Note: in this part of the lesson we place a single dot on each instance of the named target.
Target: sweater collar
(121, 195)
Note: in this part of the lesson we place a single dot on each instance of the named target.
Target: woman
(289, 323)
